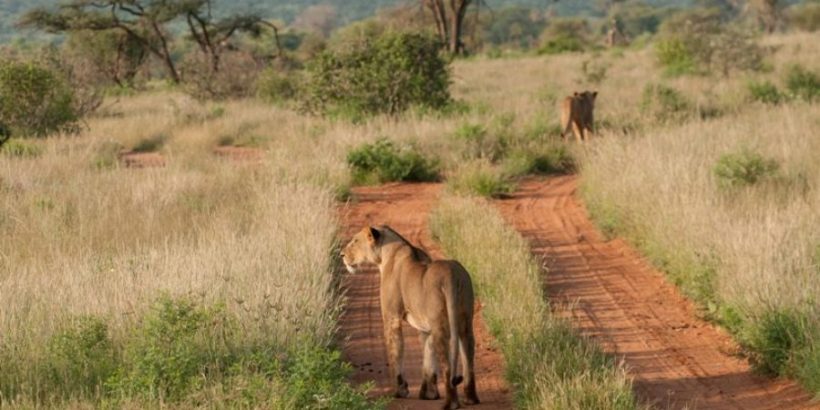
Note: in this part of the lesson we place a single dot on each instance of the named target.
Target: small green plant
(744, 168)
(34, 101)
(765, 92)
(665, 104)
(81, 356)
(675, 57)
(16, 148)
(802, 83)
(384, 161)
(480, 178)
(316, 379)
(546, 160)
(479, 142)
(775, 337)
(150, 144)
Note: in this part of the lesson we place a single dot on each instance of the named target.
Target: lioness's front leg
(395, 354)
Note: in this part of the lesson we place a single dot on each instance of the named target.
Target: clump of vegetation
(107, 155)
(776, 338)
(564, 35)
(802, 83)
(386, 74)
(765, 92)
(81, 357)
(34, 101)
(805, 16)
(16, 148)
(545, 159)
(150, 144)
(480, 143)
(665, 104)
(550, 365)
(274, 86)
(384, 161)
(480, 178)
(744, 168)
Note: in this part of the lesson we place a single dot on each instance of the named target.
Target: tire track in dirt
(406, 208)
(617, 298)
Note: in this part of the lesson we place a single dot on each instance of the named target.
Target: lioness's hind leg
(441, 342)
(578, 131)
(467, 340)
(429, 382)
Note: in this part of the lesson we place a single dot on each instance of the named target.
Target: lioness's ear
(594, 94)
(575, 94)
(374, 234)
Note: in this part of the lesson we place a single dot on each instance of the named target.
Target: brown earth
(405, 207)
(616, 297)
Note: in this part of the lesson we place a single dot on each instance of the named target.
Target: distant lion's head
(363, 248)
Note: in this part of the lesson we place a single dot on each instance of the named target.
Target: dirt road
(677, 360)
(406, 208)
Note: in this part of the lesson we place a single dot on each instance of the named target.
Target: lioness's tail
(451, 299)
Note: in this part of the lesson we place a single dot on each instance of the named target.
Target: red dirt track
(614, 295)
(405, 207)
(677, 360)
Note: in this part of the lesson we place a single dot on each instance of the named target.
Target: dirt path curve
(406, 208)
(628, 307)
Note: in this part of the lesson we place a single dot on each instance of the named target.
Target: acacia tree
(449, 19)
(146, 22)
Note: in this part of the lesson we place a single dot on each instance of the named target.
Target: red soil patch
(239, 153)
(142, 159)
(405, 207)
(617, 298)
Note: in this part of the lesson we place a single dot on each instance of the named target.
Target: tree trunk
(459, 12)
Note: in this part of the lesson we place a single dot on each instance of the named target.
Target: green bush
(774, 339)
(674, 55)
(383, 161)
(317, 379)
(274, 86)
(16, 148)
(802, 83)
(743, 168)
(386, 74)
(765, 92)
(564, 35)
(177, 345)
(665, 104)
(480, 178)
(34, 101)
(478, 142)
(81, 357)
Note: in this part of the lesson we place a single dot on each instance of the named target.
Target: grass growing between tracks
(548, 364)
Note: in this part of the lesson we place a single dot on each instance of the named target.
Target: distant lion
(577, 112)
(435, 297)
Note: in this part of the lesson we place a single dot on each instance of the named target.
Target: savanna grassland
(212, 280)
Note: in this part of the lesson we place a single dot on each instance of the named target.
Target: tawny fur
(435, 297)
(577, 113)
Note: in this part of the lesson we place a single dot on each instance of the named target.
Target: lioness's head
(363, 248)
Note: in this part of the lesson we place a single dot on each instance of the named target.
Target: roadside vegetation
(549, 365)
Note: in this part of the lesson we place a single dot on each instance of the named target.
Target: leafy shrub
(774, 339)
(479, 142)
(34, 101)
(699, 41)
(664, 104)
(743, 168)
(81, 356)
(480, 178)
(236, 77)
(802, 83)
(386, 74)
(383, 161)
(274, 86)
(674, 55)
(16, 148)
(316, 379)
(765, 92)
(564, 35)
(173, 350)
